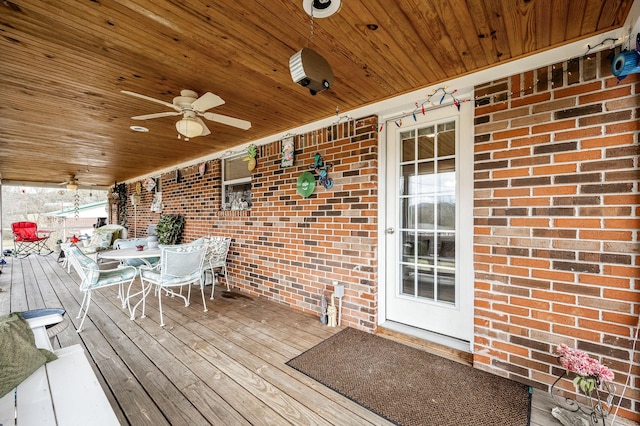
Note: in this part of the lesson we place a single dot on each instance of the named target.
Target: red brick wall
(556, 221)
(288, 248)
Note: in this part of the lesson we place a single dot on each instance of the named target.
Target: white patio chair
(94, 278)
(216, 259)
(179, 265)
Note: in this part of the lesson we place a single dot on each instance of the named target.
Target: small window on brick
(236, 184)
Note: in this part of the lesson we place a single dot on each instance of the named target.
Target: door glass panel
(426, 279)
(408, 217)
(447, 176)
(447, 168)
(408, 146)
(425, 243)
(446, 249)
(447, 212)
(446, 286)
(408, 246)
(425, 182)
(428, 211)
(408, 286)
(425, 209)
(407, 180)
(447, 143)
(426, 146)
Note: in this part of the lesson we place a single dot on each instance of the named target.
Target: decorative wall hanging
(149, 184)
(251, 157)
(202, 169)
(306, 184)
(322, 170)
(288, 149)
(156, 203)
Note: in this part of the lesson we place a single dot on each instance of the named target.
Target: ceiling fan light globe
(189, 127)
(72, 186)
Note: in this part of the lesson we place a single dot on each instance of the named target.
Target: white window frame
(227, 183)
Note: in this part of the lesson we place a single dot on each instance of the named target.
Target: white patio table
(133, 253)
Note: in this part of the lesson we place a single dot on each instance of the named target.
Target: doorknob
(390, 230)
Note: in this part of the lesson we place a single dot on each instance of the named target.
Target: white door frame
(466, 204)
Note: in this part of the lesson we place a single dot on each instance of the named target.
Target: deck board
(222, 367)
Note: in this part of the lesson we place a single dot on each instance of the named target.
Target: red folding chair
(28, 239)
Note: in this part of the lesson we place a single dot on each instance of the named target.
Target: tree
(30, 203)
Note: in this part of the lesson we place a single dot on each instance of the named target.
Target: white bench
(63, 392)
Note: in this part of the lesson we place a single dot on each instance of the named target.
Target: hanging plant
(121, 190)
(169, 229)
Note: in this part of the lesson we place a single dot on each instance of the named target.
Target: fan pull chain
(311, 24)
(76, 204)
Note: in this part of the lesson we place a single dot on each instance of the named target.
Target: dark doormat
(411, 387)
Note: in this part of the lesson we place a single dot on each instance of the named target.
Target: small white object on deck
(568, 418)
(332, 312)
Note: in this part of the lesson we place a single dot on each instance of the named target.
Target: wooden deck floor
(223, 367)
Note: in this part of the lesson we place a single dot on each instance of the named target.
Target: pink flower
(578, 362)
(605, 374)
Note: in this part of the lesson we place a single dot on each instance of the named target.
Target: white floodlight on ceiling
(321, 8)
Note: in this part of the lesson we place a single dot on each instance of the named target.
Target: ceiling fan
(192, 107)
(71, 183)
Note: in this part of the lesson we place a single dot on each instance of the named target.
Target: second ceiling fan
(192, 107)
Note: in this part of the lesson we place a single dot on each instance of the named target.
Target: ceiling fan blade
(230, 121)
(205, 129)
(206, 101)
(156, 115)
(70, 179)
(147, 98)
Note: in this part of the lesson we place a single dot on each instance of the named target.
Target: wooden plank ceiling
(64, 63)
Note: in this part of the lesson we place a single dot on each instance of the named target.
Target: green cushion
(115, 232)
(19, 356)
(101, 239)
(115, 276)
(88, 265)
(156, 277)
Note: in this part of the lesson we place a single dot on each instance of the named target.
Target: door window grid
(428, 205)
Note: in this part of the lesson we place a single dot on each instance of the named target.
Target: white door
(429, 222)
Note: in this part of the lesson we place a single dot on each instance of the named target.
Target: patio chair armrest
(38, 320)
(155, 267)
(44, 231)
(120, 268)
(44, 320)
